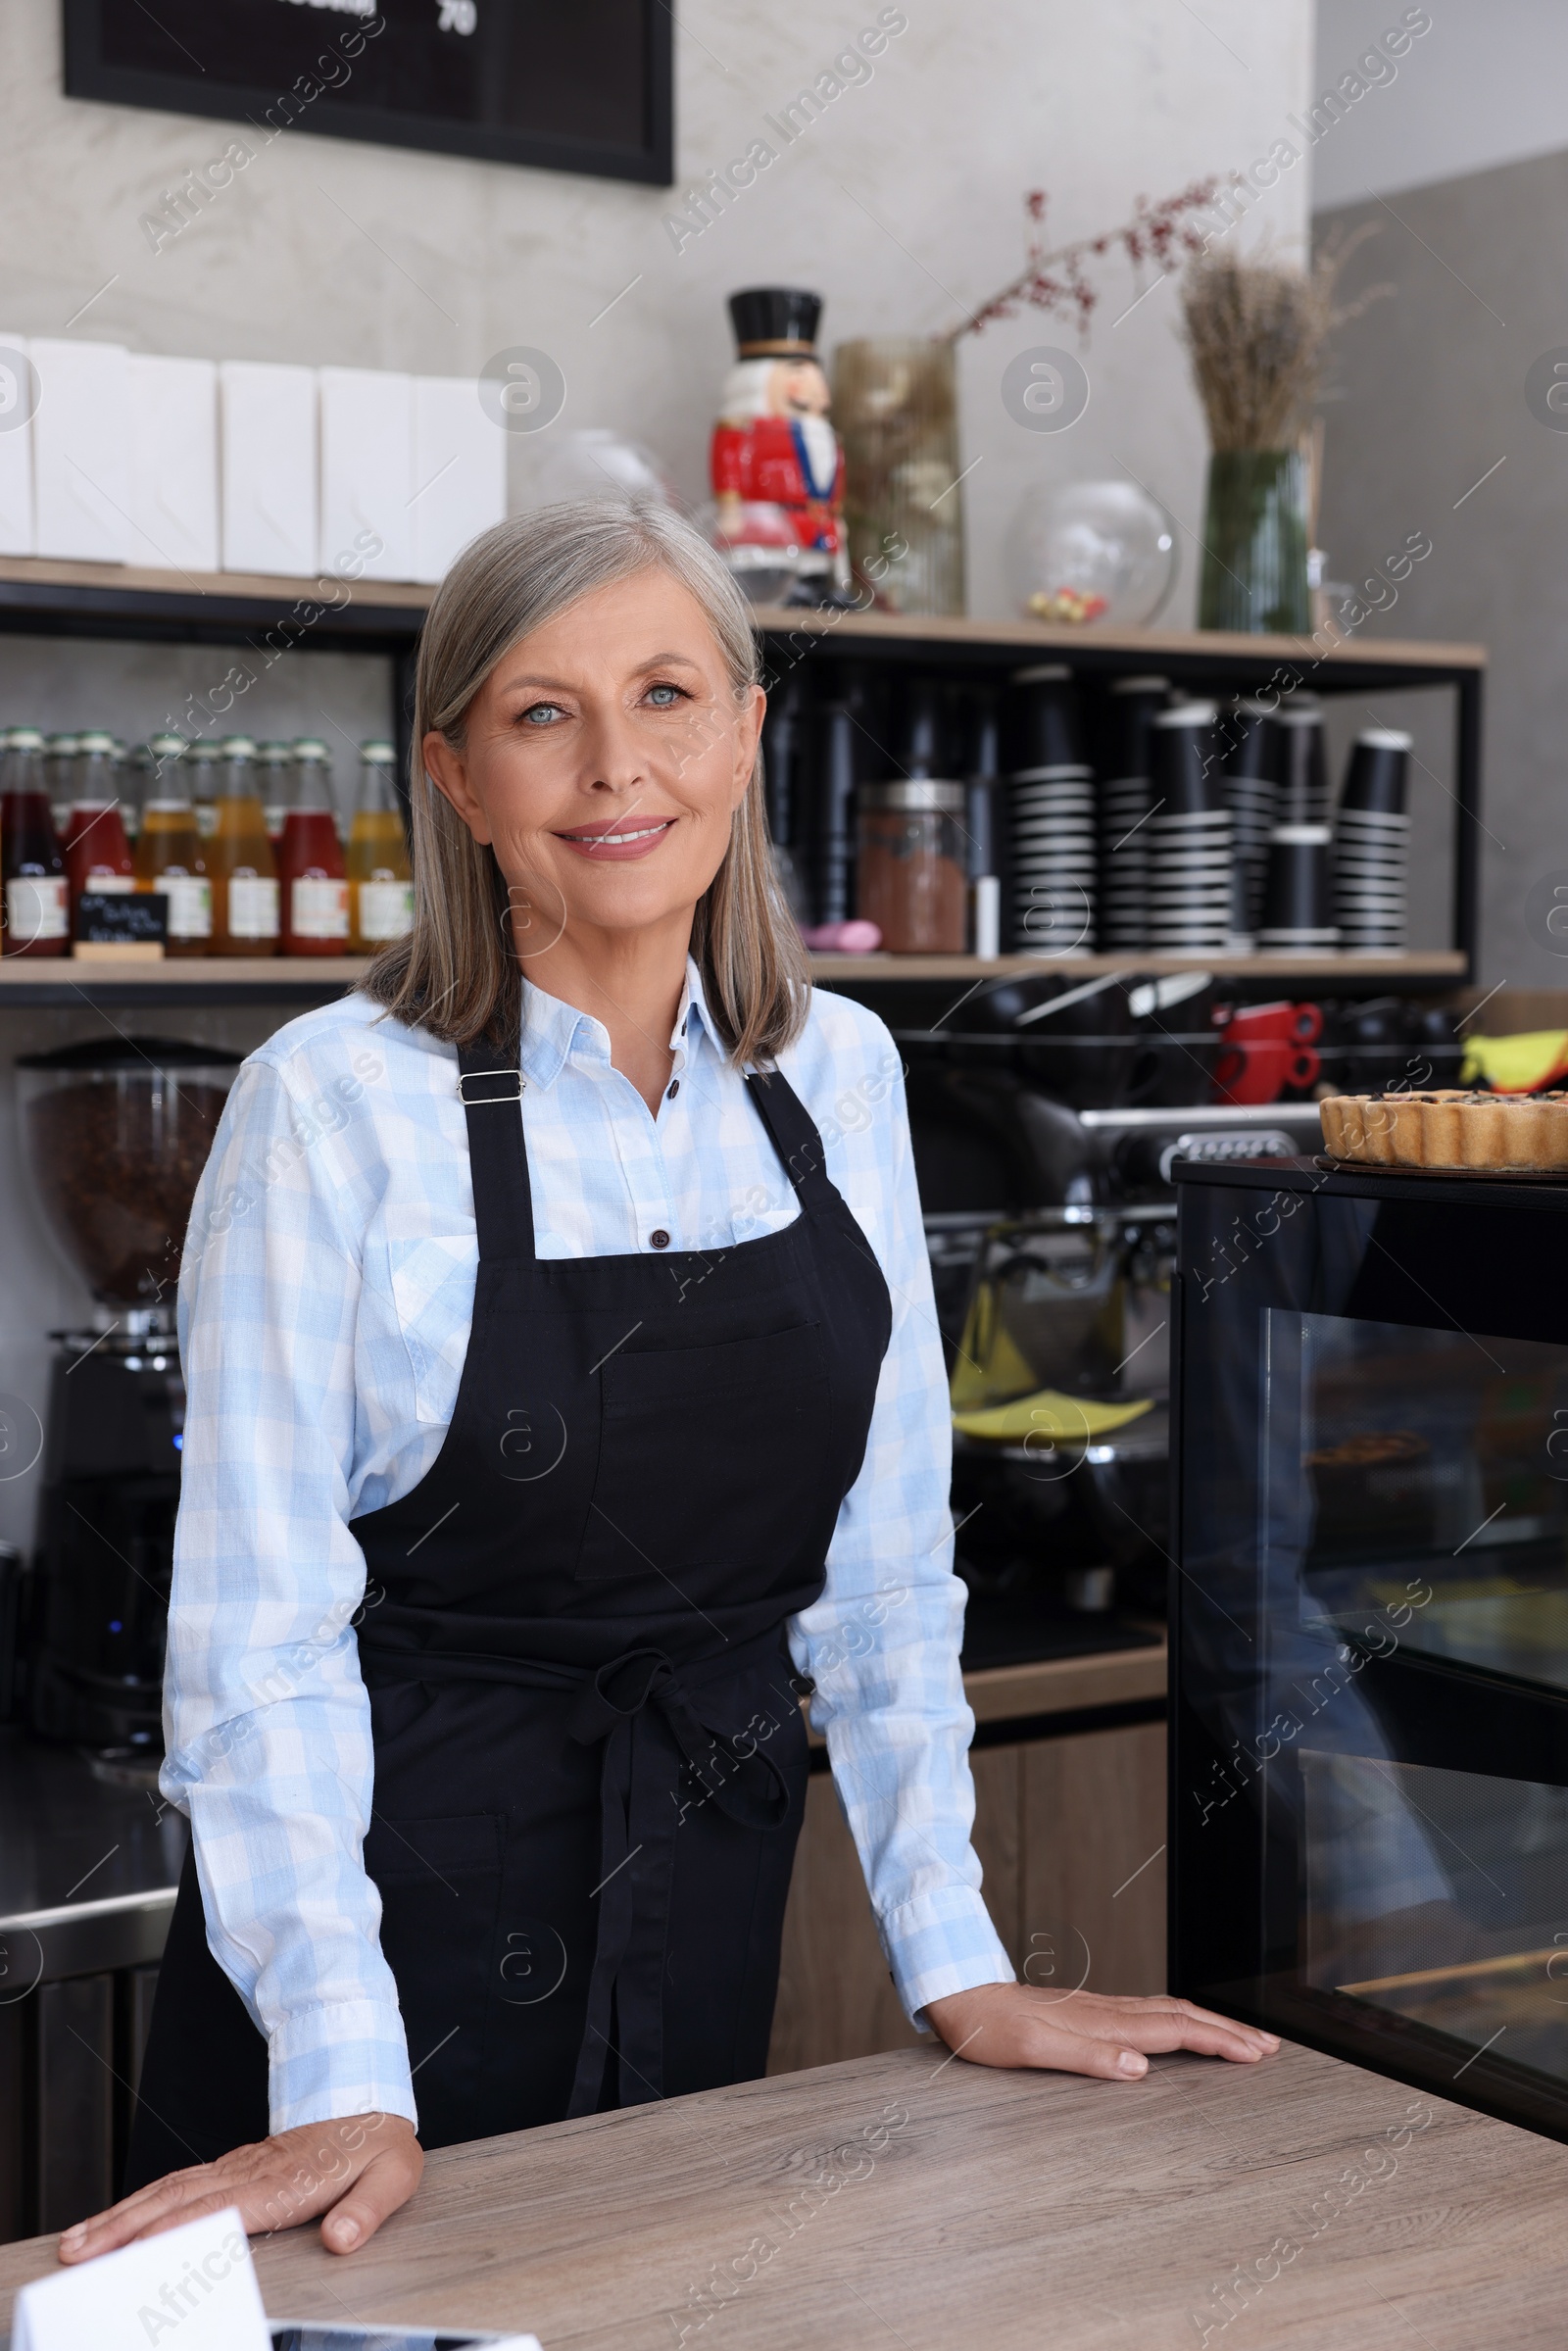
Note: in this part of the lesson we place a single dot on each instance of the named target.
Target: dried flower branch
(1257, 333)
(1157, 233)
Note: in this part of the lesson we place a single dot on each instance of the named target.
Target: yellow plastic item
(989, 1365)
(1050, 1417)
(1516, 1064)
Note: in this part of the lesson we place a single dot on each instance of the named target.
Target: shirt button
(674, 1090)
(660, 1238)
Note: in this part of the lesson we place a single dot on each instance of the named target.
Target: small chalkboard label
(131, 925)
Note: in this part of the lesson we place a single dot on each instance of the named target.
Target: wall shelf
(50, 983)
(269, 615)
(1192, 656)
(100, 599)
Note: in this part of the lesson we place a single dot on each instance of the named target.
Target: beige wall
(901, 204)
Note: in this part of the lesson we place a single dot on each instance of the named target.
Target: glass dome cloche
(1092, 551)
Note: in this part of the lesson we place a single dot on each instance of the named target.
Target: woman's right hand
(355, 2171)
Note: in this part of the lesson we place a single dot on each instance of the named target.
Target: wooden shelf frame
(59, 983)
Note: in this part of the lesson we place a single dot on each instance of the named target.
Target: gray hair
(455, 974)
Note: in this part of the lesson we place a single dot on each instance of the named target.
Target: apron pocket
(440, 1888)
(708, 1457)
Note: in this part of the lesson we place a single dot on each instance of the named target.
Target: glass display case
(1369, 1637)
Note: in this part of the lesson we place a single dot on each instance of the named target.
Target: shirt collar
(553, 1031)
(694, 1021)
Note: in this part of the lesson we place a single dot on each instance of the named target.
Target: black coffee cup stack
(1189, 834)
(1297, 916)
(1124, 802)
(1052, 877)
(1252, 756)
(1301, 795)
(1372, 845)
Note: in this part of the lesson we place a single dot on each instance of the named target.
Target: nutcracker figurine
(778, 469)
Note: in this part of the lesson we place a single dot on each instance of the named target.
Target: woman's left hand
(1085, 2031)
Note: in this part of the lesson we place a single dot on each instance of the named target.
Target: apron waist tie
(731, 1769)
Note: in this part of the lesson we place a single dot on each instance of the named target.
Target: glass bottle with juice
(60, 778)
(168, 849)
(131, 772)
(37, 919)
(239, 861)
(309, 860)
(206, 769)
(96, 851)
(381, 877)
(274, 787)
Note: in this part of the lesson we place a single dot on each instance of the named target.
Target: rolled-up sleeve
(267, 1720)
(882, 1643)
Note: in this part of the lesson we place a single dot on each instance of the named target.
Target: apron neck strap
(794, 1136)
(490, 1086)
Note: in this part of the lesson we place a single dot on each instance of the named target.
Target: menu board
(580, 87)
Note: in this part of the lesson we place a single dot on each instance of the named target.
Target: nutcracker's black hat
(779, 319)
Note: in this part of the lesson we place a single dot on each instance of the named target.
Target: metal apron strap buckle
(507, 1087)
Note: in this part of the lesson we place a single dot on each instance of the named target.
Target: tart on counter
(1527, 1133)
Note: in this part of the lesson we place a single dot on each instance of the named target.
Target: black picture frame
(89, 73)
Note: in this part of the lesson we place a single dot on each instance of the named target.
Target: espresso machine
(114, 1137)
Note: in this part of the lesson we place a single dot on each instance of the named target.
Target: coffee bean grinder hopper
(114, 1135)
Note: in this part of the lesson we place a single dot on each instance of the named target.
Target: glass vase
(1254, 544)
(896, 407)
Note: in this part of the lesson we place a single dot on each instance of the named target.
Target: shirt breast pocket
(432, 1296)
(711, 1458)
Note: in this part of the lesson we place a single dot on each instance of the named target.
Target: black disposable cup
(1298, 893)
(1046, 726)
(1250, 740)
(1379, 771)
(1303, 784)
(1185, 776)
(1134, 704)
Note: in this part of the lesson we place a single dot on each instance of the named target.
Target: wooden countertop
(1002, 2209)
(1065, 1685)
(1001, 1694)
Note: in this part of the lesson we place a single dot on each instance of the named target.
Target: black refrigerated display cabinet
(1369, 1622)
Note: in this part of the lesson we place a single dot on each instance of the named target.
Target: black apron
(589, 1762)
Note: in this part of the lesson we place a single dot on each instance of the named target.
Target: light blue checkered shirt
(326, 1300)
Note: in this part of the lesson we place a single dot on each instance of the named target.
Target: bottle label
(252, 907)
(190, 905)
(207, 819)
(387, 909)
(109, 884)
(275, 817)
(36, 908)
(319, 908)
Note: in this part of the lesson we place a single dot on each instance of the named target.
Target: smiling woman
(555, 1424)
(589, 713)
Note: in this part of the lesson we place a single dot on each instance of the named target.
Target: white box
(366, 473)
(18, 529)
(80, 451)
(459, 472)
(195, 2283)
(268, 429)
(174, 463)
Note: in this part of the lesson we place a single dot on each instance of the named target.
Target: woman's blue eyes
(664, 697)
